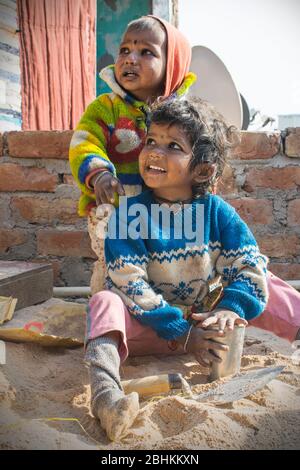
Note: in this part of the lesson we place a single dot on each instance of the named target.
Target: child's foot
(117, 417)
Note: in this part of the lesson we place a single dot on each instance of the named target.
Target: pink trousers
(282, 313)
(107, 312)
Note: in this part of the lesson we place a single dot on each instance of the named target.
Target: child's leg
(98, 275)
(111, 334)
(106, 345)
(97, 224)
(282, 313)
(115, 411)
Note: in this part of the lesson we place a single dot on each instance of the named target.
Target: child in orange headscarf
(153, 62)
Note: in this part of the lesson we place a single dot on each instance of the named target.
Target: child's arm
(88, 148)
(243, 269)
(127, 262)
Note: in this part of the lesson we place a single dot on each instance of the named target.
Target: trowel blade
(240, 386)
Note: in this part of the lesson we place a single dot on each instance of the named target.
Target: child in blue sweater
(163, 248)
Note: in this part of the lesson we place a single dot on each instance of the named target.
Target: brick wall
(38, 199)
(38, 206)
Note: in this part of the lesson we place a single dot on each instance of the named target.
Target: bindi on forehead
(128, 40)
(168, 130)
(146, 36)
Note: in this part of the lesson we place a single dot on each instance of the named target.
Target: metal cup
(231, 359)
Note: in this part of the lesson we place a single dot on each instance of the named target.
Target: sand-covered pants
(97, 223)
(98, 275)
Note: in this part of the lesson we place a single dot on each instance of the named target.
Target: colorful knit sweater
(157, 275)
(110, 135)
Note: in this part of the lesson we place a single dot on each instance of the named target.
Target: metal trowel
(240, 386)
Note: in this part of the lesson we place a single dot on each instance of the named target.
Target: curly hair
(209, 136)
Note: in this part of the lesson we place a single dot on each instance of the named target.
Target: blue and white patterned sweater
(153, 275)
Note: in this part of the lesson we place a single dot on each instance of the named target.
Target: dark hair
(210, 137)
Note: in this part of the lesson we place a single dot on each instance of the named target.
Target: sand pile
(38, 383)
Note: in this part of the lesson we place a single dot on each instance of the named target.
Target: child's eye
(175, 146)
(147, 52)
(124, 50)
(150, 141)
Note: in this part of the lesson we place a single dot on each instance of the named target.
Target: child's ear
(204, 172)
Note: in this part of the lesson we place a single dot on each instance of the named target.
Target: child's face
(141, 64)
(164, 162)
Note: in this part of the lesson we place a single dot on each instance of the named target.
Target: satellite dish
(246, 113)
(215, 84)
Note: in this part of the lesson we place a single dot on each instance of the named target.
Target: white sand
(38, 383)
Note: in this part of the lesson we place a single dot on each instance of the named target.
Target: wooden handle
(152, 385)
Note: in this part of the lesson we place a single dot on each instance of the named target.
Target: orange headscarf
(179, 55)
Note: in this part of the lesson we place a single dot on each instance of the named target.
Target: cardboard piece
(54, 323)
(7, 308)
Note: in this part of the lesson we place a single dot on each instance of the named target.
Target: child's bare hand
(201, 343)
(224, 318)
(206, 358)
(105, 188)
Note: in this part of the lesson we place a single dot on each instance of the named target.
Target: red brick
(64, 243)
(68, 179)
(278, 246)
(227, 183)
(10, 238)
(42, 210)
(294, 212)
(39, 144)
(272, 178)
(255, 145)
(292, 142)
(20, 178)
(286, 271)
(254, 211)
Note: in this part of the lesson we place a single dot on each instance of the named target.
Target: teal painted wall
(112, 19)
(10, 78)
